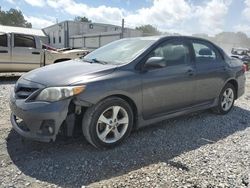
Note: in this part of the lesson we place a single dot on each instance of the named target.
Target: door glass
(174, 53)
(3, 40)
(204, 53)
(24, 41)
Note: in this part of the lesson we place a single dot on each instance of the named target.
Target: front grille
(24, 92)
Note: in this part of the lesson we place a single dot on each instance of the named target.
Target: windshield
(119, 52)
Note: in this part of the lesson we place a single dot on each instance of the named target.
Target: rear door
(210, 71)
(5, 51)
(26, 54)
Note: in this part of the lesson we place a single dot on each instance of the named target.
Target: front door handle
(36, 53)
(3, 51)
(190, 72)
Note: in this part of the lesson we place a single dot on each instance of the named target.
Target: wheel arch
(131, 103)
(235, 84)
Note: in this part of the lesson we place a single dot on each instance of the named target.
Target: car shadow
(8, 79)
(74, 162)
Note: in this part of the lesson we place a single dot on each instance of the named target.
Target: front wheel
(108, 122)
(226, 99)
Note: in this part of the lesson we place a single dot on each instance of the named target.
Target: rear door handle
(225, 68)
(3, 51)
(36, 53)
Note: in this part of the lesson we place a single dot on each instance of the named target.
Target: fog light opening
(50, 130)
(48, 127)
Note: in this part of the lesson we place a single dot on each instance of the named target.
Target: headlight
(51, 94)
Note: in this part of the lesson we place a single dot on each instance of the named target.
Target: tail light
(247, 67)
(244, 68)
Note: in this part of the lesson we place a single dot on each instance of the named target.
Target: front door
(5, 60)
(26, 55)
(168, 89)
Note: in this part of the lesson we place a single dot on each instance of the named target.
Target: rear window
(3, 40)
(24, 41)
(206, 52)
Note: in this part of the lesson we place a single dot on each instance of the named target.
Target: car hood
(67, 73)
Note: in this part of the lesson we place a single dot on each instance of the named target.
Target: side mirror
(155, 63)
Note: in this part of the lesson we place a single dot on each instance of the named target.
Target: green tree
(13, 17)
(148, 30)
(82, 19)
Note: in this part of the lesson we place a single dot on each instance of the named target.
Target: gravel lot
(197, 150)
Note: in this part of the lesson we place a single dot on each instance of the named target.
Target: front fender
(129, 87)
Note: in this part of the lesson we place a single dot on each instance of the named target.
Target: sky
(175, 16)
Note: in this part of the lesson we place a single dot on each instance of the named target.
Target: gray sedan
(123, 86)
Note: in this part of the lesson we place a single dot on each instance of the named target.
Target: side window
(3, 40)
(24, 41)
(204, 53)
(174, 53)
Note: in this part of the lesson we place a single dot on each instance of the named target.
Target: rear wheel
(108, 122)
(226, 99)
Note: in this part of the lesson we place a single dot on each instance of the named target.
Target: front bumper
(33, 119)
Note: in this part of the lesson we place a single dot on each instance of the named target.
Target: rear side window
(3, 40)
(174, 53)
(204, 52)
(24, 41)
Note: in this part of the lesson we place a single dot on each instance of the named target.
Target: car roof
(162, 37)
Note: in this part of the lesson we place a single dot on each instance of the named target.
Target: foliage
(238, 39)
(13, 17)
(82, 19)
(148, 30)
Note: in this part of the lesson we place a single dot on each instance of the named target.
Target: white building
(84, 34)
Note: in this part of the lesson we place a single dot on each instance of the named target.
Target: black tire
(219, 109)
(92, 115)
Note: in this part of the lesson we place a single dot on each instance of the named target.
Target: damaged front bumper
(39, 121)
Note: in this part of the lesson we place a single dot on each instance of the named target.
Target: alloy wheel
(112, 124)
(227, 99)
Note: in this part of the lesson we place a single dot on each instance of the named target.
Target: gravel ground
(197, 150)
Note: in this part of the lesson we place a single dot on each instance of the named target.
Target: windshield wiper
(88, 60)
(95, 61)
(99, 61)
